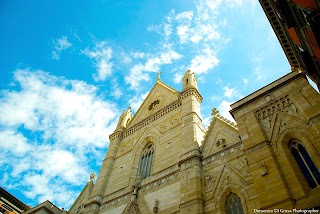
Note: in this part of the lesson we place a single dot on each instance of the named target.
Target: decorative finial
(158, 78)
(92, 176)
(215, 112)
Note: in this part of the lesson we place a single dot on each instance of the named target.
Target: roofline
(265, 90)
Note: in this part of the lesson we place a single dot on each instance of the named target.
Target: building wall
(286, 109)
(195, 170)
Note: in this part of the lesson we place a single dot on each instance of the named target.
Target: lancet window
(306, 164)
(146, 161)
(233, 204)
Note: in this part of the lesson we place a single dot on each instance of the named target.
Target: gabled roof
(160, 95)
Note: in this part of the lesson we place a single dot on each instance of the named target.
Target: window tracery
(305, 163)
(233, 204)
(146, 161)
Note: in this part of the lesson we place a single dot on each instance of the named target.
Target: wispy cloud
(140, 72)
(60, 45)
(229, 92)
(205, 61)
(65, 122)
(101, 55)
(116, 91)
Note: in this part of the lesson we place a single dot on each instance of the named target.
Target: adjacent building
(297, 26)
(10, 204)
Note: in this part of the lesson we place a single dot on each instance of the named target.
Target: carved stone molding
(224, 152)
(221, 143)
(169, 125)
(192, 91)
(265, 114)
(242, 166)
(159, 114)
(209, 180)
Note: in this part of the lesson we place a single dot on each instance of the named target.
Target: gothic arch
(137, 152)
(295, 133)
(224, 193)
(283, 141)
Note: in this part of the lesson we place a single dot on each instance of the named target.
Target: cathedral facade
(163, 160)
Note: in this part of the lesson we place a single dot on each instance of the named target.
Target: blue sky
(69, 68)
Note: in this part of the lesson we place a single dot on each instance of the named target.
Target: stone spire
(189, 80)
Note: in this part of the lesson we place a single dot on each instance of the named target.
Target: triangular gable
(78, 205)
(218, 129)
(160, 96)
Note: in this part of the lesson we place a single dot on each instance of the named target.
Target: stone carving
(169, 125)
(243, 167)
(265, 114)
(128, 147)
(221, 143)
(135, 189)
(263, 170)
(227, 178)
(155, 207)
(80, 208)
(150, 119)
(158, 76)
(92, 176)
(168, 145)
(283, 126)
(209, 180)
(215, 114)
(154, 104)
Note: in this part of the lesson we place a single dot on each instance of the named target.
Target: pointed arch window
(233, 204)
(146, 161)
(305, 163)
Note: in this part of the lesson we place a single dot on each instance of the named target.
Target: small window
(146, 162)
(305, 163)
(233, 204)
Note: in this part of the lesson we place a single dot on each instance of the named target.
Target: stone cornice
(117, 134)
(143, 123)
(268, 89)
(281, 33)
(189, 155)
(154, 180)
(226, 151)
(191, 91)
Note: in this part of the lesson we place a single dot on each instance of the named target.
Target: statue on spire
(158, 76)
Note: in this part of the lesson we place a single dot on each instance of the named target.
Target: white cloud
(140, 72)
(206, 121)
(229, 92)
(183, 33)
(116, 91)
(138, 55)
(14, 142)
(177, 77)
(224, 109)
(101, 55)
(126, 58)
(205, 61)
(50, 128)
(245, 81)
(258, 73)
(185, 15)
(60, 45)
(215, 98)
